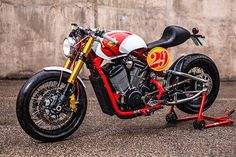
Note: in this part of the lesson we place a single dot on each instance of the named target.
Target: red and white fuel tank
(127, 42)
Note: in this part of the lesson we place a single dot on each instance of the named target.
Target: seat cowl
(172, 36)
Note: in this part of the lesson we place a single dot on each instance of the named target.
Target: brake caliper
(73, 106)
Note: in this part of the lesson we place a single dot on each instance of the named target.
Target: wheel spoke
(42, 112)
(34, 114)
(40, 121)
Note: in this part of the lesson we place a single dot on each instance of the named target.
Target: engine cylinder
(136, 74)
(119, 79)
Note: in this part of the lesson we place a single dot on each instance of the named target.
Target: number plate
(158, 59)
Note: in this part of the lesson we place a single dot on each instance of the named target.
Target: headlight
(67, 45)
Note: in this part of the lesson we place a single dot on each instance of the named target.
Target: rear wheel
(203, 67)
(36, 110)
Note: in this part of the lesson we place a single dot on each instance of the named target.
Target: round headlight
(67, 45)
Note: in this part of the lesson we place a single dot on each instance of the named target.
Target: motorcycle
(52, 104)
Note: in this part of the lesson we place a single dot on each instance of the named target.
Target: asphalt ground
(103, 135)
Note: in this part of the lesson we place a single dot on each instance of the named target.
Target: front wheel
(201, 66)
(35, 107)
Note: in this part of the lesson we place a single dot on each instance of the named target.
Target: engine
(128, 79)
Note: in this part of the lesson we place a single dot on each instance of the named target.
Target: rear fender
(57, 68)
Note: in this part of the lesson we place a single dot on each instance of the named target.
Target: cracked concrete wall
(32, 31)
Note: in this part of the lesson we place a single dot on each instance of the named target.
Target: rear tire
(25, 100)
(205, 63)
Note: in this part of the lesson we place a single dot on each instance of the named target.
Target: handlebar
(96, 33)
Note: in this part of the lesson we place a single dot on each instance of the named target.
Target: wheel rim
(41, 109)
(200, 73)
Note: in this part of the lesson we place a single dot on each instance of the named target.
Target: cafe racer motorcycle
(52, 104)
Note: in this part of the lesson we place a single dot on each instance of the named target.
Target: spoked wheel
(203, 67)
(42, 110)
(38, 112)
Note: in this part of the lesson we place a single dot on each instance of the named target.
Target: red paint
(195, 30)
(77, 86)
(139, 54)
(222, 120)
(108, 48)
(199, 118)
(159, 87)
(117, 96)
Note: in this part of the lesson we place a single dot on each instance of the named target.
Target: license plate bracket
(199, 40)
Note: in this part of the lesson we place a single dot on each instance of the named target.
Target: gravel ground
(103, 135)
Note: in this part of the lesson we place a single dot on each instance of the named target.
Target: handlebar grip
(110, 38)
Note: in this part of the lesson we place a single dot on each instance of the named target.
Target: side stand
(199, 122)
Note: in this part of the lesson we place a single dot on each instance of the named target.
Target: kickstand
(199, 122)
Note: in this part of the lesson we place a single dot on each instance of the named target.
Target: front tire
(33, 102)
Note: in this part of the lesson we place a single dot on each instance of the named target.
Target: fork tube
(80, 63)
(68, 63)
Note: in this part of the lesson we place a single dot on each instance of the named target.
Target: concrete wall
(32, 31)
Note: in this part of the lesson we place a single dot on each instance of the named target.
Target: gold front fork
(80, 63)
(68, 63)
